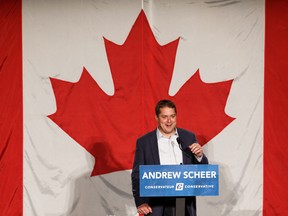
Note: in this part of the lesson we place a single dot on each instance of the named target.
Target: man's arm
(197, 150)
(138, 160)
(191, 147)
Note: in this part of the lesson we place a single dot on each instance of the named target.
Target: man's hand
(196, 149)
(144, 209)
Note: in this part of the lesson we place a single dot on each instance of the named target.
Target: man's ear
(156, 117)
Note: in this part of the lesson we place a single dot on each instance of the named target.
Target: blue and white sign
(179, 180)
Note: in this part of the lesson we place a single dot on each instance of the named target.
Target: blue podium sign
(179, 180)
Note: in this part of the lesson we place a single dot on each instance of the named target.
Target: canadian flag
(79, 81)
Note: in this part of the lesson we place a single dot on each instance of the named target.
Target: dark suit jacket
(147, 154)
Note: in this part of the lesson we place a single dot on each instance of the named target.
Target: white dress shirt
(169, 151)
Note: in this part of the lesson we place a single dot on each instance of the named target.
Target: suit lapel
(186, 160)
(154, 148)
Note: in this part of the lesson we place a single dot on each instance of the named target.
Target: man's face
(167, 121)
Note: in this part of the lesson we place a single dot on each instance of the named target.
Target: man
(161, 147)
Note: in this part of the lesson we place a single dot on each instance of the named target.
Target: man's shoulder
(187, 137)
(182, 131)
(148, 135)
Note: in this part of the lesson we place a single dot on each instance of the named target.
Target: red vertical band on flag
(275, 109)
(11, 111)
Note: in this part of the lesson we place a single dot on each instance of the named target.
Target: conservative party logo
(179, 186)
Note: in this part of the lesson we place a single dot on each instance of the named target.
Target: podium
(178, 180)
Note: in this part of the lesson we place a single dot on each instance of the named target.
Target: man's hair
(164, 103)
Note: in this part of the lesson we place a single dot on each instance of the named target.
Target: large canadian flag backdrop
(79, 81)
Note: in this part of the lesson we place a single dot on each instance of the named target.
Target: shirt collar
(160, 135)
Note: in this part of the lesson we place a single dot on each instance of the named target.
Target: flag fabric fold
(78, 82)
(11, 109)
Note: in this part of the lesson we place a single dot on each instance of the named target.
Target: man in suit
(160, 146)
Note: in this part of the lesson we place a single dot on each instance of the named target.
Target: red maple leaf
(108, 126)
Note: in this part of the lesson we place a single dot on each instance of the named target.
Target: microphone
(180, 146)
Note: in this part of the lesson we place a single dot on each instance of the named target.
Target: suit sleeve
(138, 160)
(188, 138)
(204, 160)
